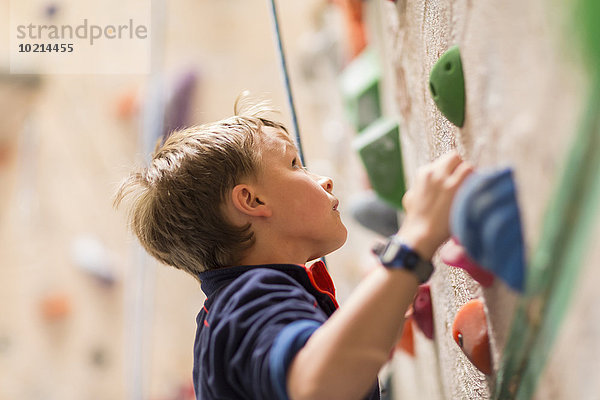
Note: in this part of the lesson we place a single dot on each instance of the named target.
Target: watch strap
(398, 255)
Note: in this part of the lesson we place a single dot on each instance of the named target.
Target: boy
(231, 204)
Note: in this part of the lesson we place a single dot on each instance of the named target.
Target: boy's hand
(427, 204)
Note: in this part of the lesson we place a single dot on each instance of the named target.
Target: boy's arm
(342, 358)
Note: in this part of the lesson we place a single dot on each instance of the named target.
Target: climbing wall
(525, 94)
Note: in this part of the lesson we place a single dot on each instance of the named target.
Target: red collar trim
(321, 280)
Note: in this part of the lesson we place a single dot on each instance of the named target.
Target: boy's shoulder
(240, 284)
(232, 278)
(246, 309)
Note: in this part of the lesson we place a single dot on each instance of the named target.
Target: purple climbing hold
(179, 106)
(50, 10)
(485, 219)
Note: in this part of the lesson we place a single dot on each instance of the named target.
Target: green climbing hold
(360, 88)
(379, 149)
(447, 85)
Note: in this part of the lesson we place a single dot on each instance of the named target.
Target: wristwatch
(396, 255)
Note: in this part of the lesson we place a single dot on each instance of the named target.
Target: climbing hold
(185, 391)
(7, 152)
(470, 332)
(406, 342)
(5, 344)
(379, 150)
(485, 219)
(56, 306)
(423, 311)
(89, 254)
(50, 10)
(375, 214)
(99, 357)
(359, 84)
(127, 104)
(353, 12)
(447, 86)
(179, 106)
(455, 255)
(386, 387)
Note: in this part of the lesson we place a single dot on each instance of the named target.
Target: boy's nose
(326, 183)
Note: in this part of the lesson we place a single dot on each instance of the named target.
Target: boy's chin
(334, 244)
(343, 237)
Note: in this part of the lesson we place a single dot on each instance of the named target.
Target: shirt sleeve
(289, 341)
(255, 329)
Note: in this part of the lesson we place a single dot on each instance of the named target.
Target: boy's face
(304, 210)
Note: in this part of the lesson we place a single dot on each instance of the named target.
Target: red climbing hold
(406, 342)
(470, 332)
(423, 311)
(455, 255)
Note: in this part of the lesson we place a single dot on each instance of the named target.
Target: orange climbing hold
(127, 104)
(353, 11)
(6, 153)
(406, 342)
(56, 306)
(470, 332)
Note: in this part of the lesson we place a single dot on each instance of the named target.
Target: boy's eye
(296, 164)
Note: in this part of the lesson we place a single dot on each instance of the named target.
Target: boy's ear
(246, 201)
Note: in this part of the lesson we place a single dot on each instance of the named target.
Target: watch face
(391, 252)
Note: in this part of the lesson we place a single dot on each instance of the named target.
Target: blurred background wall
(77, 319)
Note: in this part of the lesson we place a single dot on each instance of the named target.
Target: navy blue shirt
(253, 322)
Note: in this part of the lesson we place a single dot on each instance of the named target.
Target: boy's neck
(276, 251)
(273, 258)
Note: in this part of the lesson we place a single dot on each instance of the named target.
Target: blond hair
(176, 202)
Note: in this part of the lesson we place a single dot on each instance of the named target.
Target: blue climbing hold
(485, 218)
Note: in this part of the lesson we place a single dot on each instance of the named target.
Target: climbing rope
(288, 87)
(286, 79)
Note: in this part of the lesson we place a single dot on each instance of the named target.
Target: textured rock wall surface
(525, 91)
